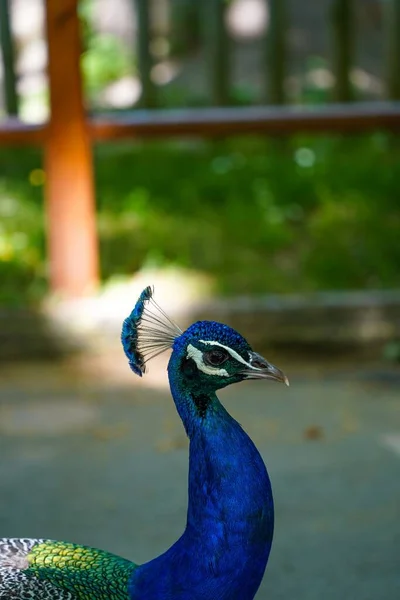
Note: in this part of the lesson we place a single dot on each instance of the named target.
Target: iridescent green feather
(86, 572)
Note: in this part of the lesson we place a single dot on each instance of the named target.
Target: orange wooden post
(71, 212)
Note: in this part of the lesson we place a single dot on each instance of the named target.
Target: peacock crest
(147, 332)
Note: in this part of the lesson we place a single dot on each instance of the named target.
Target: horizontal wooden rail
(14, 132)
(215, 122)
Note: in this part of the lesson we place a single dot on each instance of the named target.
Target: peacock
(223, 551)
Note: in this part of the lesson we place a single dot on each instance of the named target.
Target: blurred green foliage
(260, 215)
(105, 57)
(105, 60)
(22, 244)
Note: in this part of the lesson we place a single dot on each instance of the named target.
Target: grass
(258, 215)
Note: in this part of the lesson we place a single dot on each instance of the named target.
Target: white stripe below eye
(232, 352)
(197, 356)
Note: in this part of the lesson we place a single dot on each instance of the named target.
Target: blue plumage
(224, 549)
(129, 335)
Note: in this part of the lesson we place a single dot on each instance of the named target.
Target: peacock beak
(260, 368)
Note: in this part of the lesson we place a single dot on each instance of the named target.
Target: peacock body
(224, 549)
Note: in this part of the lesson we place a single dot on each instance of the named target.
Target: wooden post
(71, 209)
(185, 31)
(276, 52)
(392, 30)
(145, 60)
(217, 50)
(7, 48)
(343, 38)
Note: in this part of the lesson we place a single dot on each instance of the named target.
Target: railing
(68, 136)
(212, 14)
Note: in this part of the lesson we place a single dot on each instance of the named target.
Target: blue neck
(224, 549)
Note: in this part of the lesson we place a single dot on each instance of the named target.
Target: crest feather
(147, 332)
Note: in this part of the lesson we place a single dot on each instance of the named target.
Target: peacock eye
(215, 358)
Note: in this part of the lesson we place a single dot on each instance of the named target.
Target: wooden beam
(145, 60)
(217, 50)
(7, 49)
(276, 52)
(215, 122)
(68, 162)
(14, 132)
(343, 34)
(392, 31)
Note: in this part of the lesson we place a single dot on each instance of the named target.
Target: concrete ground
(105, 464)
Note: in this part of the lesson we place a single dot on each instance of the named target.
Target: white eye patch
(232, 352)
(197, 356)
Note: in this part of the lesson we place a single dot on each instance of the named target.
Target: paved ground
(107, 466)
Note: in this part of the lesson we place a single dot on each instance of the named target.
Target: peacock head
(207, 356)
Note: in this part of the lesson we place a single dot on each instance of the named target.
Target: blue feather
(129, 335)
(223, 551)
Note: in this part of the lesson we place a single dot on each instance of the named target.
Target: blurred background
(242, 156)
